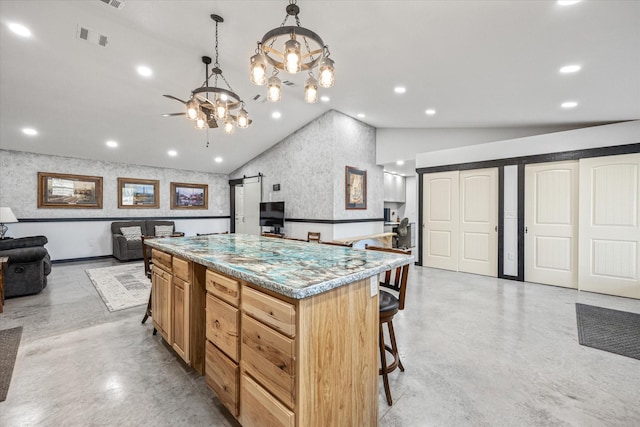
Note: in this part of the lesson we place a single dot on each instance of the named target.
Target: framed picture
(138, 193)
(56, 190)
(355, 188)
(189, 196)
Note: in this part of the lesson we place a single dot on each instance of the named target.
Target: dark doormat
(9, 342)
(609, 330)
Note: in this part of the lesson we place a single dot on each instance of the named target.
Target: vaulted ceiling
(476, 63)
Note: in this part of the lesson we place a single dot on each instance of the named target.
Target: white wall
(80, 233)
(405, 144)
(592, 137)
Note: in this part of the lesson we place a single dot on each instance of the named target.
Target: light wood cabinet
(180, 329)
(261, 409)
(222, 375)
(171, 291)
(161, 282)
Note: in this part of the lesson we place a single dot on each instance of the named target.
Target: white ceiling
(478, 63)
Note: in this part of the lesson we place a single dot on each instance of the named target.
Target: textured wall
(19, 186)
(310, 165)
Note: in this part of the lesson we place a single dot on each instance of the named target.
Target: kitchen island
(285, 332)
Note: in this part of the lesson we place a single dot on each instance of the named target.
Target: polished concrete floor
(478, 351)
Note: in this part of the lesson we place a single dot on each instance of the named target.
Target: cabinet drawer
(223, 287)
(161, 259)
(223, 376)
(278, 314)
(260, 409)
(222, 326)
(268, 356)
(182, 269)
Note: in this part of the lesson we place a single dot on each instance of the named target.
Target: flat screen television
(272, 214)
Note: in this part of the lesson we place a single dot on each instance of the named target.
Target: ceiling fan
(207, 113)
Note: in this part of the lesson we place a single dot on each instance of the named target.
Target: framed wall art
(355, 188)
(56, 190)
(189, 196)
(138, 193)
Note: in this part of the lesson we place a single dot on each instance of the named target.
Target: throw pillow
(164, 230)
(131, 233)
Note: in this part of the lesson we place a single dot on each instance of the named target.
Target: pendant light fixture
(211, 106)
(303, 50)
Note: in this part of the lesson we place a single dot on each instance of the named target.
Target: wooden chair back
(313, 236)
(395, 280)
(146, 256)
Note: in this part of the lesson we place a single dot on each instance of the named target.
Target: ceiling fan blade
(212, 124)
(203, 99)
(173, 97)
(173, 114)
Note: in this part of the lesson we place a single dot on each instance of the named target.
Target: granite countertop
(291, 268)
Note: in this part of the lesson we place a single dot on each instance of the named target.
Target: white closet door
(440, 244)
(609, 229)
(478, 250)
(551, 219)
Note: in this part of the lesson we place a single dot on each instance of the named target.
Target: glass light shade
(258, 69)
(325, 69)
(243, 119)
(193, 107)
(201, 121)
(292, 56)
(274, 89)
(228, 126)
(220, 110)
(311, 90)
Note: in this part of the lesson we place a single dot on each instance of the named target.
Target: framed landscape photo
(189, 196)
(138, 193)
(56, 190)
(355, 188)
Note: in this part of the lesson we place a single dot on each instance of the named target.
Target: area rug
(609, 330)
(121, 286)
(9, 342)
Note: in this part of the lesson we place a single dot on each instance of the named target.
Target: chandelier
(210, 106)
(291, 58)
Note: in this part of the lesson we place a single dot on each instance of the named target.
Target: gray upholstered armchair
(28, 267)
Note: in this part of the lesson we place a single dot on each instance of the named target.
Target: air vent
(118, 4)
(259, 98)
(288, 83)
(91, 36)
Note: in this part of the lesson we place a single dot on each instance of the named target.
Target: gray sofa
(125, 250)
(28, 267)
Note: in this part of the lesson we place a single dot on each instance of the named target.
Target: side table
(4, 262)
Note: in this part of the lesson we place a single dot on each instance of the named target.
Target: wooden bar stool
(390, 304)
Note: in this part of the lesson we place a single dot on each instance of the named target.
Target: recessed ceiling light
(403, 174)
(430, 112)
(20, 30)
(567, 69)
(361, 115)
(569, 104)
(276, 114)
(325, 98)
(144, 71)
(30, 131)
(400, 162)
(567, 2)
(218, 159)
(112, 144)
(172, 153)
(400, 89)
